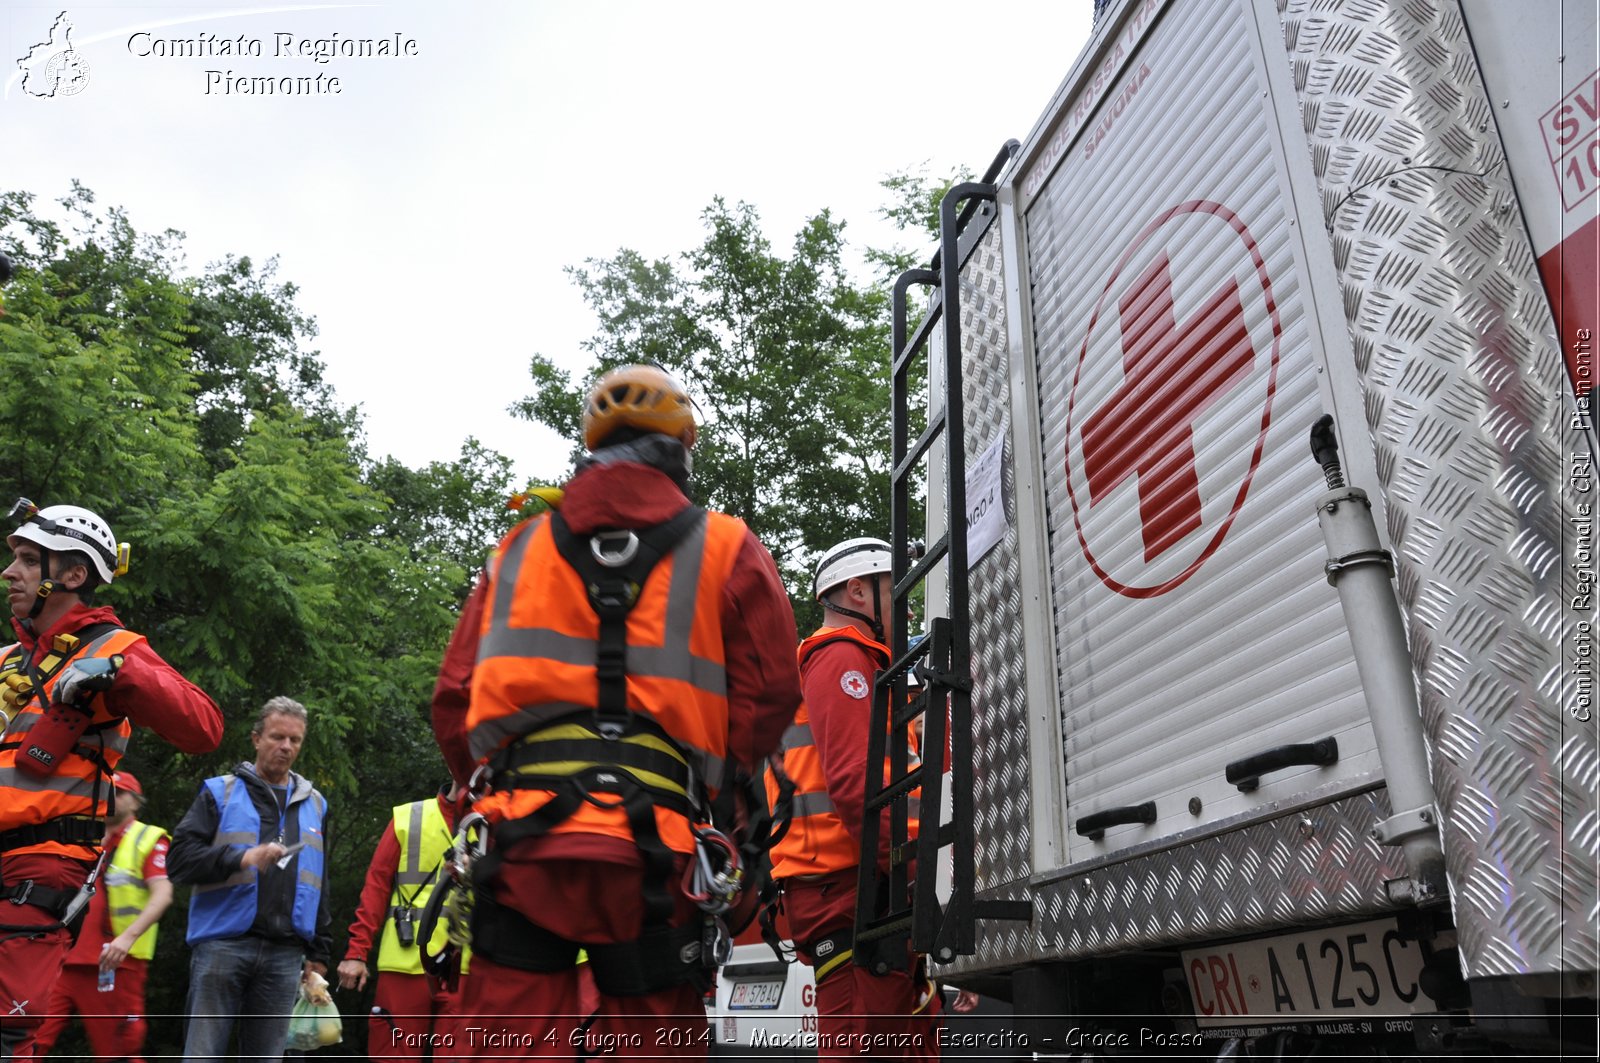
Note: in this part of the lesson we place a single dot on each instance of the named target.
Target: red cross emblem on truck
(1175, 371)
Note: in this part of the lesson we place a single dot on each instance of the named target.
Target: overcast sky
(427, 208)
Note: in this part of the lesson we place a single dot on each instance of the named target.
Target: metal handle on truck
(1246, 773)
(1094, 826)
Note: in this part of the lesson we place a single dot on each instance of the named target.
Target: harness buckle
(716, 944)
(603, 545)
(27, 891)
(610, 666)
(613, 598)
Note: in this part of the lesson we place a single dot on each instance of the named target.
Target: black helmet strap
(872, 621)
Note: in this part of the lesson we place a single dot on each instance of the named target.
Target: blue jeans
(247, 978)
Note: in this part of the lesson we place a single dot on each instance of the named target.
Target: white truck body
(1234, 216)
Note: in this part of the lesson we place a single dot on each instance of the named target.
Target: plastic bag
(314, 1023)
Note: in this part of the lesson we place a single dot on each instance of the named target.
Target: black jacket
(193, 861)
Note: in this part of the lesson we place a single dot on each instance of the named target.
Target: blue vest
(228, 908)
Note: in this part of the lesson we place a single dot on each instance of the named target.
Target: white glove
(81, 679)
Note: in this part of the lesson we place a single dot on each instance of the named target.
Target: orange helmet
(636, 396)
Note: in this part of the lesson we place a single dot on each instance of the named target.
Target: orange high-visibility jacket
(536, 661)
(817, 842)
(69, 790)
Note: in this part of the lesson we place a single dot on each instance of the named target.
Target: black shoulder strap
(54, 660)
(653, 543)
(613, 586)
(88, 634)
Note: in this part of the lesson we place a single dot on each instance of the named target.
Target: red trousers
(522, 1014)
(114, 1020)
(408, 1015)
(29, 966)
(858, 1012)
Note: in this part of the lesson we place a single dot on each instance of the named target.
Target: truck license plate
(754, 996)
(1356, 971)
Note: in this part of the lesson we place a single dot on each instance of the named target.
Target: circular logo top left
(67, 73)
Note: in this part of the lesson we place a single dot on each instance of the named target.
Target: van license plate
(753, 996)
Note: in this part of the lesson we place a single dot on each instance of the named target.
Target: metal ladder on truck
(894, 908)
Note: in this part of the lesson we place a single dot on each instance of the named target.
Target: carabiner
(466, 850)
(478, 783)
(712, 889)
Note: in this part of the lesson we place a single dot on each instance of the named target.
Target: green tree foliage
(448, 511)
(270, 555)
(245, 354)
(913, 208)
(93, 355)
(785, 357)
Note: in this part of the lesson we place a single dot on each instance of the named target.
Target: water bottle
(108, 976)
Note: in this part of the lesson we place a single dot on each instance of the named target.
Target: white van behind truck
(765, 1008)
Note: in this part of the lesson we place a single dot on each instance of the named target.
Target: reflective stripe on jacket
(424, 837)
(69, 790)
(127, 892)
(536, 661)
(817, 842)
(228, 908)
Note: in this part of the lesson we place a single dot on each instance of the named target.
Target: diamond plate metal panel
(999, 717)
(1318, 865)
(1321, 866)
(1462, 381)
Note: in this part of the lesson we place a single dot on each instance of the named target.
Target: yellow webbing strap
(576, 732)
(834, 964)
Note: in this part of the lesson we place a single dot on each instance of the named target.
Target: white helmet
(61, 529)
(853, 557)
